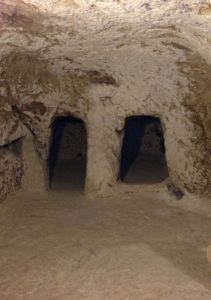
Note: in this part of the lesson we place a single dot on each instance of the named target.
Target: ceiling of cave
(37, 24)
(61, 46)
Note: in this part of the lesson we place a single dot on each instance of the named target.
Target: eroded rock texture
(209, 253)
(102, 61)
(11, 168)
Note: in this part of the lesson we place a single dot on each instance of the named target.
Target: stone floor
(62, 246)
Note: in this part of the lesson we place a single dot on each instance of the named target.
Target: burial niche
(68, 154)
(143, 158)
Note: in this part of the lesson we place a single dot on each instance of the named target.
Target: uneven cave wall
(50, 71)
(17, 150)
(209, 253)
(96, 102)
(11, 168)
(152, 139)
(11, 134)
(73, 142)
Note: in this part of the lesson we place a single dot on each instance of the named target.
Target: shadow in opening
(68, 154)
(143, 157)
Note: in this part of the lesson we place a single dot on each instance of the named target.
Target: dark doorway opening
(68, 154)
(143, 158)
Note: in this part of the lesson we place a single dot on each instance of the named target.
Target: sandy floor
(63, 246)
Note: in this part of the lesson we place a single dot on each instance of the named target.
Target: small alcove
(143, 158)
(68, 154)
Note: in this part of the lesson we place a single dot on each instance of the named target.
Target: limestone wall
(152, 139)
(11, 168)
(209, 253)
(102, 61)
(73, 142)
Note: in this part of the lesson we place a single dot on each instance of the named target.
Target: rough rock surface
(209, 253)
(11, 168)
(102, 61)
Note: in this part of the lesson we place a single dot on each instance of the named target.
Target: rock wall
(102, 61)
(152, 141)
(209, 253)
(73, 142)
(11, 168)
